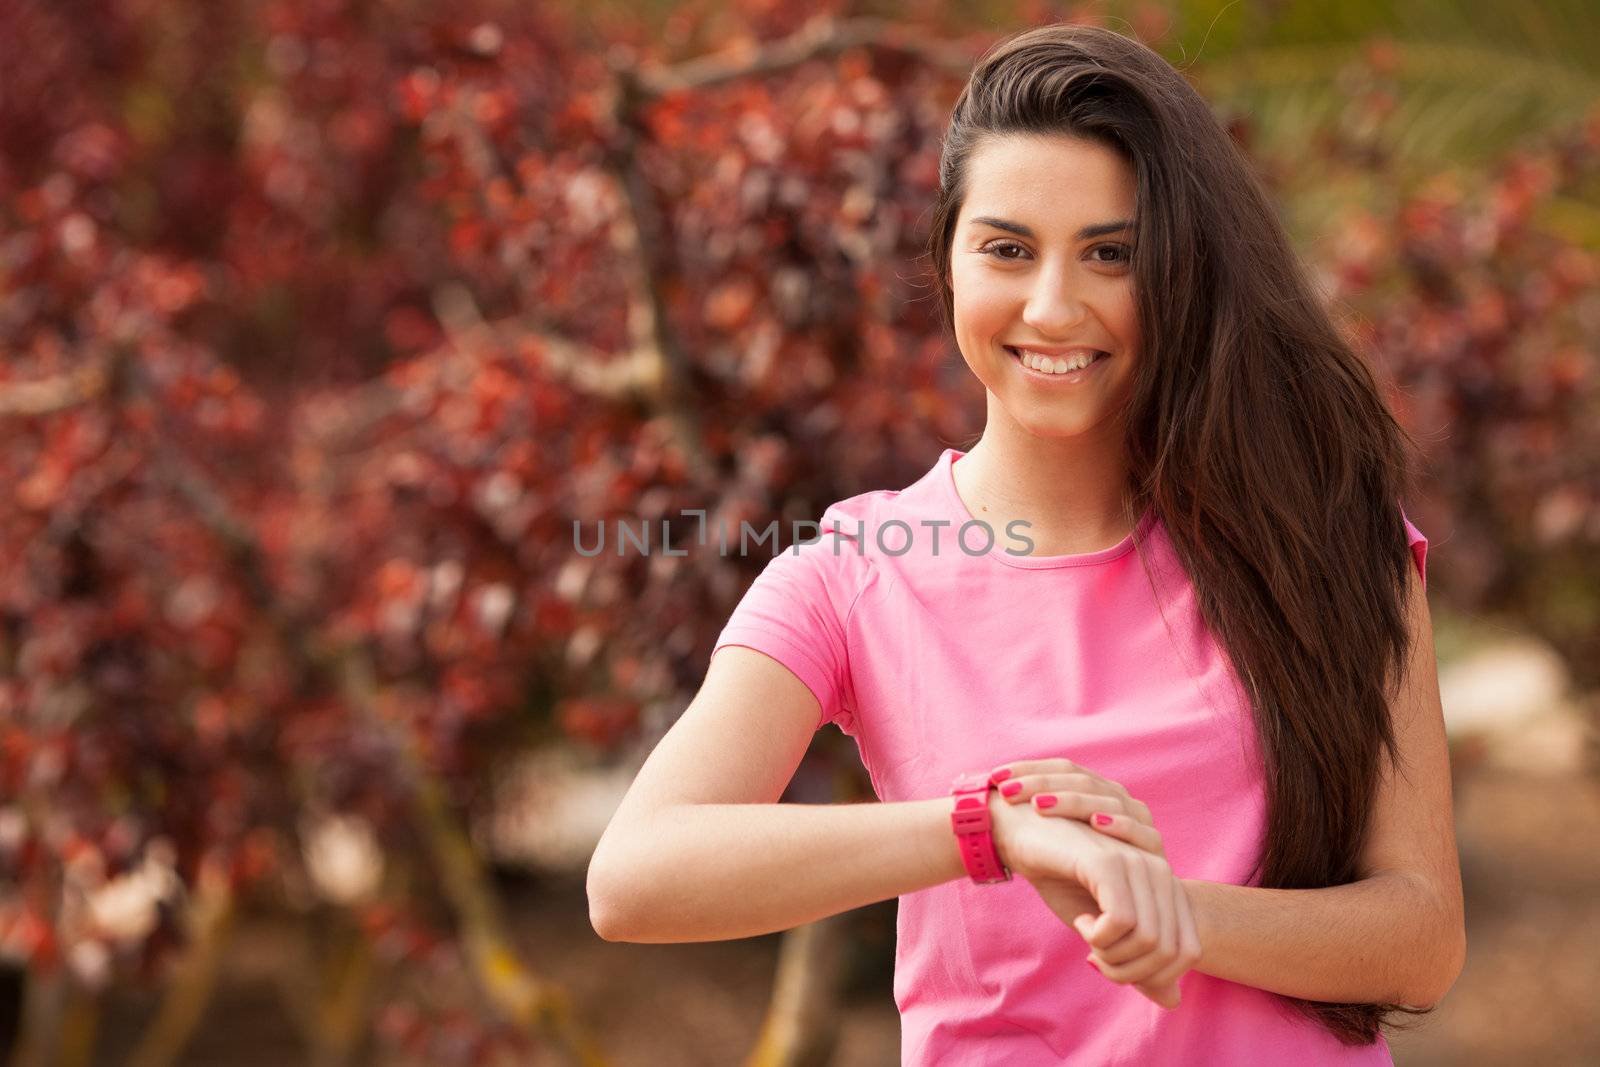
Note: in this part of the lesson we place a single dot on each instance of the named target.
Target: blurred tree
(326, 320)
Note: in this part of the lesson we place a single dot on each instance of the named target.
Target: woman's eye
(1120, 255)
(990, 250)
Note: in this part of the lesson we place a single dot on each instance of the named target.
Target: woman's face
(1040, 261)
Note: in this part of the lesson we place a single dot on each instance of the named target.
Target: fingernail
(1045, 800)
(1011, 789)
(1102, 819)
(1090, 961)
(999, 776)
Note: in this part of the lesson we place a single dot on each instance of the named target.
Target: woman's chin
(1053, 425)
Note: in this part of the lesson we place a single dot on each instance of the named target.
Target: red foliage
(320, 292)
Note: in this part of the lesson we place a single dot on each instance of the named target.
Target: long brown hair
(1259, 437)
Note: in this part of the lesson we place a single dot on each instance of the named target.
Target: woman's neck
(1069, 490)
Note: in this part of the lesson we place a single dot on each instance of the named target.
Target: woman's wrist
(1201, 903)
(952, 863)
(944, 846)
(1002, 817)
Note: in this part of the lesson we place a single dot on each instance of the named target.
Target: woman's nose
(1053, 310)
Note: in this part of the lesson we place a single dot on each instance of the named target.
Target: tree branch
(822, 36)
(48, 396)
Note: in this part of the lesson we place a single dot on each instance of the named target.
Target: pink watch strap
(969, 818)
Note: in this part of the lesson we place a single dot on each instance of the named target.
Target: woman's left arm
(1397, 935)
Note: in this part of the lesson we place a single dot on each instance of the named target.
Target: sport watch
(969, 817)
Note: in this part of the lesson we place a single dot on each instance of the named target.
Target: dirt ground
(1527, 996)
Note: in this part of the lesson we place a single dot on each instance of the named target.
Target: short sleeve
(1419, 548)
(796, 612)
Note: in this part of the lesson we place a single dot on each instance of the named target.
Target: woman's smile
(1032, 365)
(1036, 287)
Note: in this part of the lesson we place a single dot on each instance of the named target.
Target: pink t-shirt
(938, 661)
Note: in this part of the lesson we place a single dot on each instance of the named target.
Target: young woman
(1164, 624)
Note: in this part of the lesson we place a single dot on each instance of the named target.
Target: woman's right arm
(701, 850)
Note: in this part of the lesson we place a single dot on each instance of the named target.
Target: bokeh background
(323, 321)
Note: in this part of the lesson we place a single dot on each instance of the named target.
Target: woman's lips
(1067, 378)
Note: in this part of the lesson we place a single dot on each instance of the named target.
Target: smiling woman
(1031, 309)
(1220, 357)
(1193, 734)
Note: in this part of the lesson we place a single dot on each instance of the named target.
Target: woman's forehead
(1051, 182)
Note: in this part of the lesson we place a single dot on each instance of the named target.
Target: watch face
(969, 781)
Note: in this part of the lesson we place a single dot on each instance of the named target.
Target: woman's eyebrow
(1099, 229)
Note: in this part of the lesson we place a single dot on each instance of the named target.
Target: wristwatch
(969, 817)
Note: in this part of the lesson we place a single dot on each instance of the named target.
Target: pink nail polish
(1011, 789)
(999, 776)
(1045, 800)
(1102, 819)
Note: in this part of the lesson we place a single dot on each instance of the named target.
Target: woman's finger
(1161, 880)
(1019, 768)
(1163, 958)
(1155, 986)
(1164, 992)
(1143, 952)
(1143, 937)
(1119, 913)
(1140, 812)
(1072, 803)
(1115, 798)
(1122, 827)
(1168, 997)
(1044, 775)
(1024, 787)
(1189, 949)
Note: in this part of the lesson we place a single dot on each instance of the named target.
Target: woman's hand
(1063, 789)
(1013, 827)
(1144, 933)
(1128, 953)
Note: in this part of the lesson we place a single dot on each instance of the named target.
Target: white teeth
(1055, 366)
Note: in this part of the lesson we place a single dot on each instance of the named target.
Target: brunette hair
(1260, 439)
